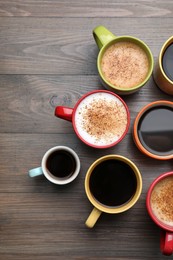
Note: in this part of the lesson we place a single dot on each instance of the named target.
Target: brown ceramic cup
(153, 130)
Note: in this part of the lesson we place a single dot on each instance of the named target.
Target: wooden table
(48, 58)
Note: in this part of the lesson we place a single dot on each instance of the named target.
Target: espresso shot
(61, 164)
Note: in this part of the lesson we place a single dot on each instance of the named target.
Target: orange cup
(153, 130)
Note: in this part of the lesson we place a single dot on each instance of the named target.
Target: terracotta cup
(153, 130)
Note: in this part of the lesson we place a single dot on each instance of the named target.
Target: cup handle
(166, 242)
(102, 36)
(35, 172)
(93, 217)
(64, 112)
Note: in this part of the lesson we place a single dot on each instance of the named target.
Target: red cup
(160, 209)
(106, 114)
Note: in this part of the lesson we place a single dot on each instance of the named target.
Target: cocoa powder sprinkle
(104, 119)
(162, 200)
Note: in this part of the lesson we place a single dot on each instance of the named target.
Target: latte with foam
(101, 119)
(162, 200)
(125, 65)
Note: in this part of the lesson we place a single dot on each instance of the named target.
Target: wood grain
(76, 8)
(48, 58)
(66, 46)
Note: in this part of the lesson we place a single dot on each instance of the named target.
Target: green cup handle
(102, 36)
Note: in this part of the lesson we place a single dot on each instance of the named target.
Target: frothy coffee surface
(162, 200)
(125, 65)
(101, 119)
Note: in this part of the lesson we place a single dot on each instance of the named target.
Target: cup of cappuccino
(163, 72)
(60, 165)
(113, 184)
(159, 202)
(100, 118)
(124, 63)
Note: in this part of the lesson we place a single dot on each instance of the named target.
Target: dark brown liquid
(167, 61)
(113, 183)
(155, 130)
(61, 164)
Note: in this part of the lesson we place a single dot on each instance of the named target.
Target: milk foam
(125, 65)
(162, 201)
(96, 119)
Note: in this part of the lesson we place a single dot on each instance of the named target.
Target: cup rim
(53, 178)
(165, 45)
(121, 208)
(144, 46)
(95, 145)
(148, 206)
(135, 127)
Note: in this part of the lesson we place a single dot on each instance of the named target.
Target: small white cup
(68, 161)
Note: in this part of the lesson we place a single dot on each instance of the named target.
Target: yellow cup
(160, 77)
(119, 182)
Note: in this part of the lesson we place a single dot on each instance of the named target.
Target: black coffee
(155, 130)
(113, 183)
(61, 164)
(167, 61)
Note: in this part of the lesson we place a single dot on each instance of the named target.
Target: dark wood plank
(48, 58)
(27, 102)
(50, 219)
(46, 232)
(77, 8)
(66, 46)
(26, 151)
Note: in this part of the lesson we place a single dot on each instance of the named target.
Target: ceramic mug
(60, 165)
(113, 184)
(160, 207)
(124, 63)
(100, 118)
(162, 73)
(153, 130)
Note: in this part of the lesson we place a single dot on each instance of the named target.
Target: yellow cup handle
(93, 217)
(102, 36)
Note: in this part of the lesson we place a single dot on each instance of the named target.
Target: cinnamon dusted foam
(101, 119)
(162, 200)
(125, 65)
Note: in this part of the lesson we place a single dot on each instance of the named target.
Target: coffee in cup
(163, 73)
(161, 201)
(100, 118)
(159, 204)
(60, 165)
(153, 130)
(124, 63)
(113, 185)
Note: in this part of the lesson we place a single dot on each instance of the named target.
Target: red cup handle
(64, 112)
(166, 242)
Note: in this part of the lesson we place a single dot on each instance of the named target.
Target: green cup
(125, 74)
